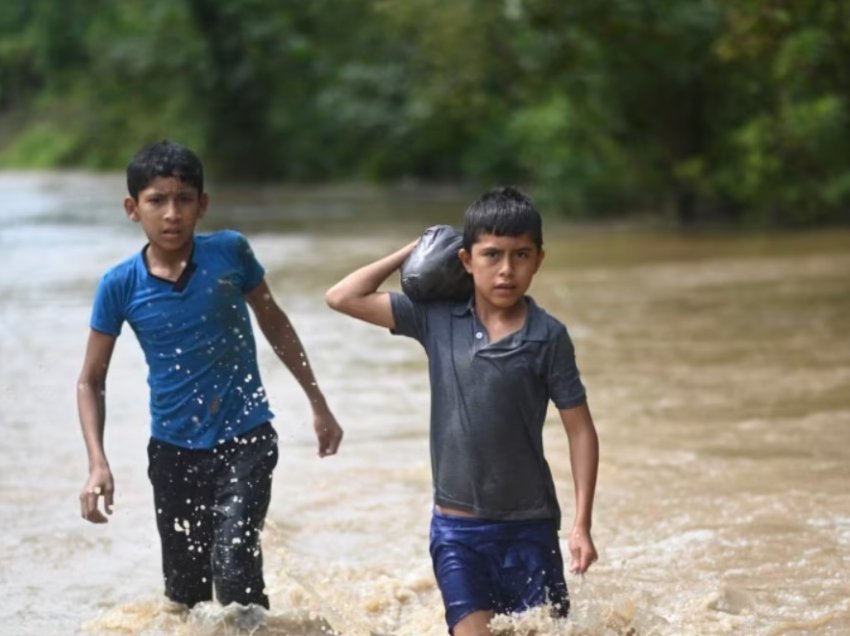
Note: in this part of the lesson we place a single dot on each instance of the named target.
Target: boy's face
(502, 267)
(168, 210)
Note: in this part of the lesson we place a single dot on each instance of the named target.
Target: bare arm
(91, 404)
(281, 335)
(584, 460)
(357, 294)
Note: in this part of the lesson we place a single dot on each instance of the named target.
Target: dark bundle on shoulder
(433, 270)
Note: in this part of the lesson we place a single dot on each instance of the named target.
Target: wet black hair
(503, 211)
(164, 159)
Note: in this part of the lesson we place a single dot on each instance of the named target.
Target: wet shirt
(197, 339)
(488, 406)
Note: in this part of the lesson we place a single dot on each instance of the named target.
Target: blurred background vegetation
(732, 111)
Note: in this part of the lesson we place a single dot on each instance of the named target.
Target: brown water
(718, 370)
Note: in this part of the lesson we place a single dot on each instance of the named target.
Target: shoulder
(221, 239)
(122, 272)
(437, 308)
(543, 317)
(544, 325)
(455, 307)
(419, 318)
(226, 243)
(115, 289)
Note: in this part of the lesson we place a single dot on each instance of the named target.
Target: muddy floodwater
(718, 372)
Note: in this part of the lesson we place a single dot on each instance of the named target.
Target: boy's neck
(166, 264)
(500, 319)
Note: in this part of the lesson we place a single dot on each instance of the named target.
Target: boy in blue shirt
(494, 361)
(212, 448)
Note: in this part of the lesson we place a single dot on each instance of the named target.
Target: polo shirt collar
(534, 329)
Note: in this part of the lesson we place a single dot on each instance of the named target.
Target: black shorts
(210, 508)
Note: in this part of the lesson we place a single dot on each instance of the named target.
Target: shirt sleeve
(410, 317)
(565, 387)
(108, 310)
(252, 272)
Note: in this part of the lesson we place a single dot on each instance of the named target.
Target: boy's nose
(172, 210)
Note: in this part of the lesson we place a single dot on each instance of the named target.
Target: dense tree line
(717, 109)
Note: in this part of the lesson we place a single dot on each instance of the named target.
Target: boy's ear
(131, 209)
(540, 255)
(465, 259)
(203, 203)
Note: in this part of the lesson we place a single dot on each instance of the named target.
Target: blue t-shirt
(197, 339)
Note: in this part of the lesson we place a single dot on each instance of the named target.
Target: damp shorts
(500, 566)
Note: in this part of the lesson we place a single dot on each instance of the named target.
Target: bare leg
(475, 624)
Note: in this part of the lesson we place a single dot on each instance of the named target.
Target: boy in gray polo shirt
(495, 361)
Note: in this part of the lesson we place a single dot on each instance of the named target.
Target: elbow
(90, 385)
(335, 299)
(331, 299)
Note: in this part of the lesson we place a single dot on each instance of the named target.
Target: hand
(328, 432)
(582, 552)
(99, 484)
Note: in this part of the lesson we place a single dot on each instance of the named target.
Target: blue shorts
(500, 566)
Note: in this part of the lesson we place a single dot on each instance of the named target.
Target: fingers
(108, 503)
(581, 564)
(575, 562)
(329, 441)
(89, 509)
(328, 434)
(582, 557)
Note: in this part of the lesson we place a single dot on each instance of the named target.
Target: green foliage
(42, 145)
(717, 109)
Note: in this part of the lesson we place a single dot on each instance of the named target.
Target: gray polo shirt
(488, 405)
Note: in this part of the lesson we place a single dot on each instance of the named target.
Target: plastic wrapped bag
(433, 270)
